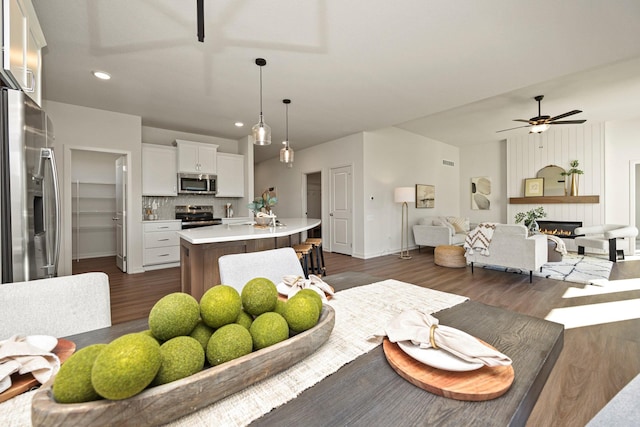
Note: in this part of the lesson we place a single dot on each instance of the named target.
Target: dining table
(368, 391)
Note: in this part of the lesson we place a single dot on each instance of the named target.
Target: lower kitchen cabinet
(161, 244)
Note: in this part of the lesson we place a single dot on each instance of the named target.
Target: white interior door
(121, 213)
(340, 211)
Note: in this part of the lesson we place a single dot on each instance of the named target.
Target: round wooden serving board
(22, 383)
(482, 384)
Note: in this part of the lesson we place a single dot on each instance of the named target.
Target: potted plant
(263, 203)
(574, 179)
(530, 218)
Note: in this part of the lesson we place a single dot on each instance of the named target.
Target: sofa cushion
(441, 221)
(461, 225)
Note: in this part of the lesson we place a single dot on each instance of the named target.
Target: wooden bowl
(167, 402)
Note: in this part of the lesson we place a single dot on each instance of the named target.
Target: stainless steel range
(196, 216)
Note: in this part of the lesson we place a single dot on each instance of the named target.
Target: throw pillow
(461, 225)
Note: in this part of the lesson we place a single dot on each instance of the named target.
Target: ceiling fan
(541, 123)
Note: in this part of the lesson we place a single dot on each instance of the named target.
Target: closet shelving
(93, 207)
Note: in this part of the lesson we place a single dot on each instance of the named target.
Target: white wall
(320, 158)
(393, 158)
(527, 154)
(622, 153)
(159, 136)
(84, 128)
(382, 160)
(488, 160)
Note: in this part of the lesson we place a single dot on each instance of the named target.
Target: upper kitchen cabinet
(195, 157)
(22, 43)
(159, 174)
(230, 175)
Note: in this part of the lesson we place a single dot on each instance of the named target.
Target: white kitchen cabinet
(230, 175)
(22, 45)
(159, 170)
(196, 157)
(161, 244)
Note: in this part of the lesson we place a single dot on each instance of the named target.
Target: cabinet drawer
(161, 239)
(153, 226)
(161, 255)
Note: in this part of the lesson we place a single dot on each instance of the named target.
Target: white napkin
(17, 355)
(294, 284)
(415, 326)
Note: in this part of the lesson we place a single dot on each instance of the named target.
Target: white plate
(43, 342)
(438, 358)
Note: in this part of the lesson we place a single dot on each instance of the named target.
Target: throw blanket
(560, 245)
(480, 238)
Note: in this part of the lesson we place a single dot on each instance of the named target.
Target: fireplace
(562, 229)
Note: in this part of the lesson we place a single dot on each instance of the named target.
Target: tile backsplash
(166, 205)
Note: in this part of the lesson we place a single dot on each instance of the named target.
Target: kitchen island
(200, 248)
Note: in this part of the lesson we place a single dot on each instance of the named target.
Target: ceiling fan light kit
(261, 131)
(542, 123)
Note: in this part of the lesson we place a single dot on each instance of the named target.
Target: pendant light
(261, 131)
(286, 153)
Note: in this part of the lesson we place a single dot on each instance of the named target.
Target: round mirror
(553, 180)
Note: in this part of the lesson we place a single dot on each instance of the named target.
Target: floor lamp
(404, 195)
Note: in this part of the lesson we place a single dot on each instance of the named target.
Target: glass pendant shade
(286, 153)
(261, 133)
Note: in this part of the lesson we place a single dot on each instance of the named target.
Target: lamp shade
(404, 194)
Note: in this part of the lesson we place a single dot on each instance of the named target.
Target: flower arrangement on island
(263, 203)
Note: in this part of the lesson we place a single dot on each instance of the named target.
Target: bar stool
(305, 252)
(316, 244)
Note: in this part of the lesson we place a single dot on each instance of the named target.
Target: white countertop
(233, 232)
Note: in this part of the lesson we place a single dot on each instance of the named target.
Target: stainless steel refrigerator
(30, 198)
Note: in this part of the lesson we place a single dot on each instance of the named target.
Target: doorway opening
(97, 200)
(313, 206)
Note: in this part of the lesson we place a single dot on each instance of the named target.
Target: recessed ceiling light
(102, 75)
(239, 124)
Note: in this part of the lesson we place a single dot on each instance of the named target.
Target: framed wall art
(533, 187)
(481, 193)
(425, 196)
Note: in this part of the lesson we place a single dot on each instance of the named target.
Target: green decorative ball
(72, 384)
(228, 343)
(259, 295)
(174, 315)
(220, 305)
(268, 329)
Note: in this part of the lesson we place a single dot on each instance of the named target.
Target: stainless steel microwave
(196, 183)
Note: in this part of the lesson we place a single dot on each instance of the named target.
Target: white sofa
(435, 231)
(511, 247)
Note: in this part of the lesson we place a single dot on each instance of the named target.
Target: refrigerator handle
(47, 154)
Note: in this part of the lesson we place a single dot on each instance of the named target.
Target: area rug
(573, 268)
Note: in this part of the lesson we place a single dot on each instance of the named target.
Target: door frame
(633, 167)
(304, 199)
(66, 259)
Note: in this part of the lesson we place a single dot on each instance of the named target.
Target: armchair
(604, 237)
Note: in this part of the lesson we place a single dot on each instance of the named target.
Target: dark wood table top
(367, 392)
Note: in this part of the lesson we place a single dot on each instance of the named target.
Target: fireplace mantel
(553, 199)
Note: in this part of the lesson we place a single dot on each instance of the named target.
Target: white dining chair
(59, 306)
(237, 269)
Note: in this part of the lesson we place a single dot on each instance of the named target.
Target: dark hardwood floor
(596, 362)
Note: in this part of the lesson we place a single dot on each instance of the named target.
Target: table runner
(359, 312)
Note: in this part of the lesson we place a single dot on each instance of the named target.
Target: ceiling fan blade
(567, 122)
(561, 116)
(517, 127)
(522, 120)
